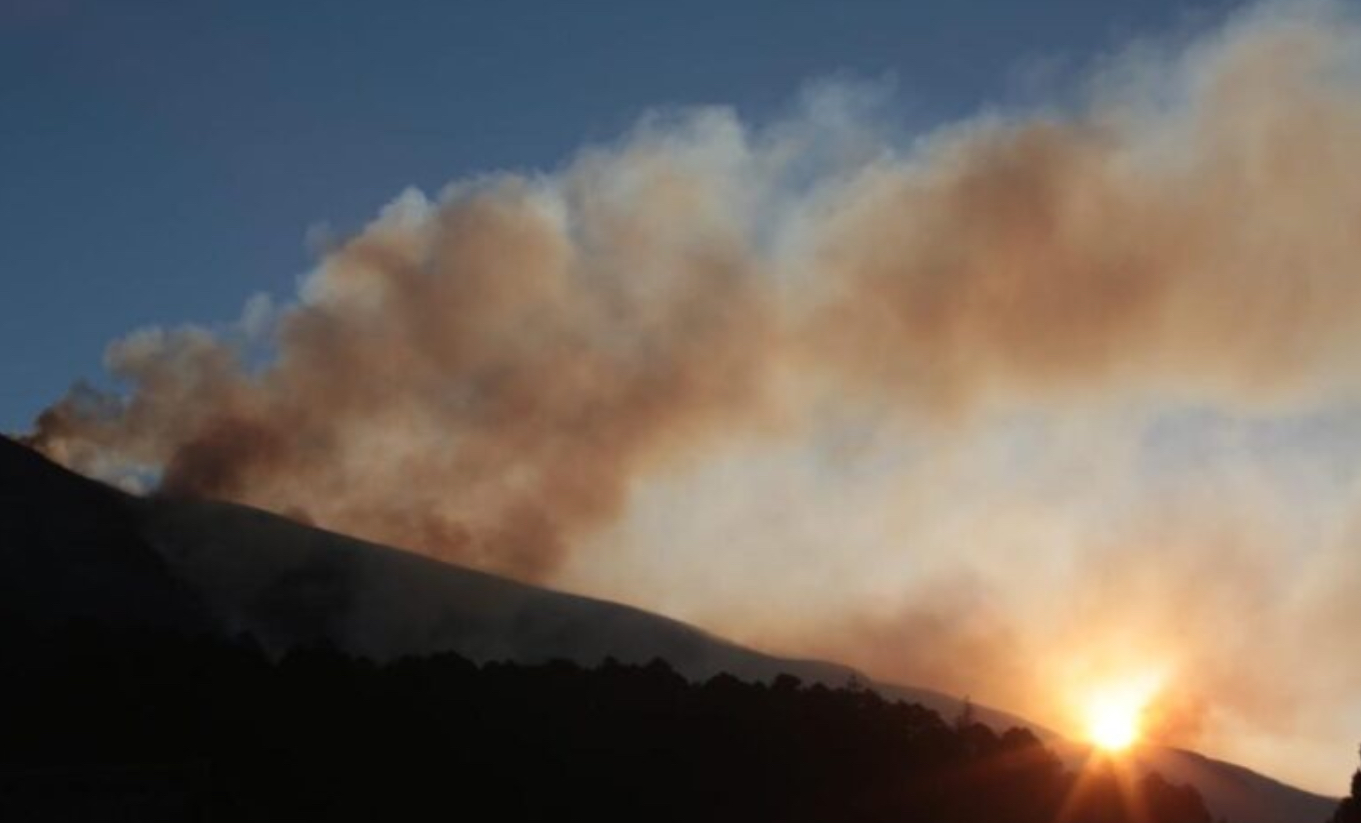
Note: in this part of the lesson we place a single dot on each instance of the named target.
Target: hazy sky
(1004, 348)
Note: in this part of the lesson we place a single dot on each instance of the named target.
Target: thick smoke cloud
(508, 375)
(479, 379)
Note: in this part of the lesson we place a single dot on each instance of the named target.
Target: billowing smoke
(922, 383)
(479, 379)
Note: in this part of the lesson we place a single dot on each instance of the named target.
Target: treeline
(145, 728)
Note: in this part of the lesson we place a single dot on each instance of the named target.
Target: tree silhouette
(145, 727)
(1349, 810)
(967, 715)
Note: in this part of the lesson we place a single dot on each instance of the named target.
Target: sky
(999, 348)
(165, 160)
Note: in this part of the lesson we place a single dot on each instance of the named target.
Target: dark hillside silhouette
(72, 549)
(147, 728)
(102, 552)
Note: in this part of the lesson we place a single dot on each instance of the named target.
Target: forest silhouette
(116, 725)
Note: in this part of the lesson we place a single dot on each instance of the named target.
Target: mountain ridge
(192, 563)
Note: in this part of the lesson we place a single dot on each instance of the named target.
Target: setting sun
(1114, 714)
(1114, 727)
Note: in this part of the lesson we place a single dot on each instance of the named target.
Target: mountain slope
(70, 547)
(1235, 793)
(290, 584)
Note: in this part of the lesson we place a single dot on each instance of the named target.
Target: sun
(1114, 715)
(1112, 727)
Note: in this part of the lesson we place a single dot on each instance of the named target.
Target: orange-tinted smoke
(485, 378)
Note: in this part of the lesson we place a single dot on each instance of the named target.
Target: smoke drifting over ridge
(478, 379)
(497, 376)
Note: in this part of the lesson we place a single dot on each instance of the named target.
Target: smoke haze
(1025, 402)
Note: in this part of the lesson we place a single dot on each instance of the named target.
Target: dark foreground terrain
(124, 695)
(102, 725)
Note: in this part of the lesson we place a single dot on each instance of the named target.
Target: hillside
(290, 584)
(74, 548)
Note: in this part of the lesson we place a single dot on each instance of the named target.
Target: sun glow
(1113, 726)
(1114, 713)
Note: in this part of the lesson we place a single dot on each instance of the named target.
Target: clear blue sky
(161, 161)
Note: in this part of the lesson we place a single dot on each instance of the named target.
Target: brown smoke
(483, 379)
(461, 380)
(1209, 249)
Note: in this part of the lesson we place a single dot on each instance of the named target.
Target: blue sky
(162, 161)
